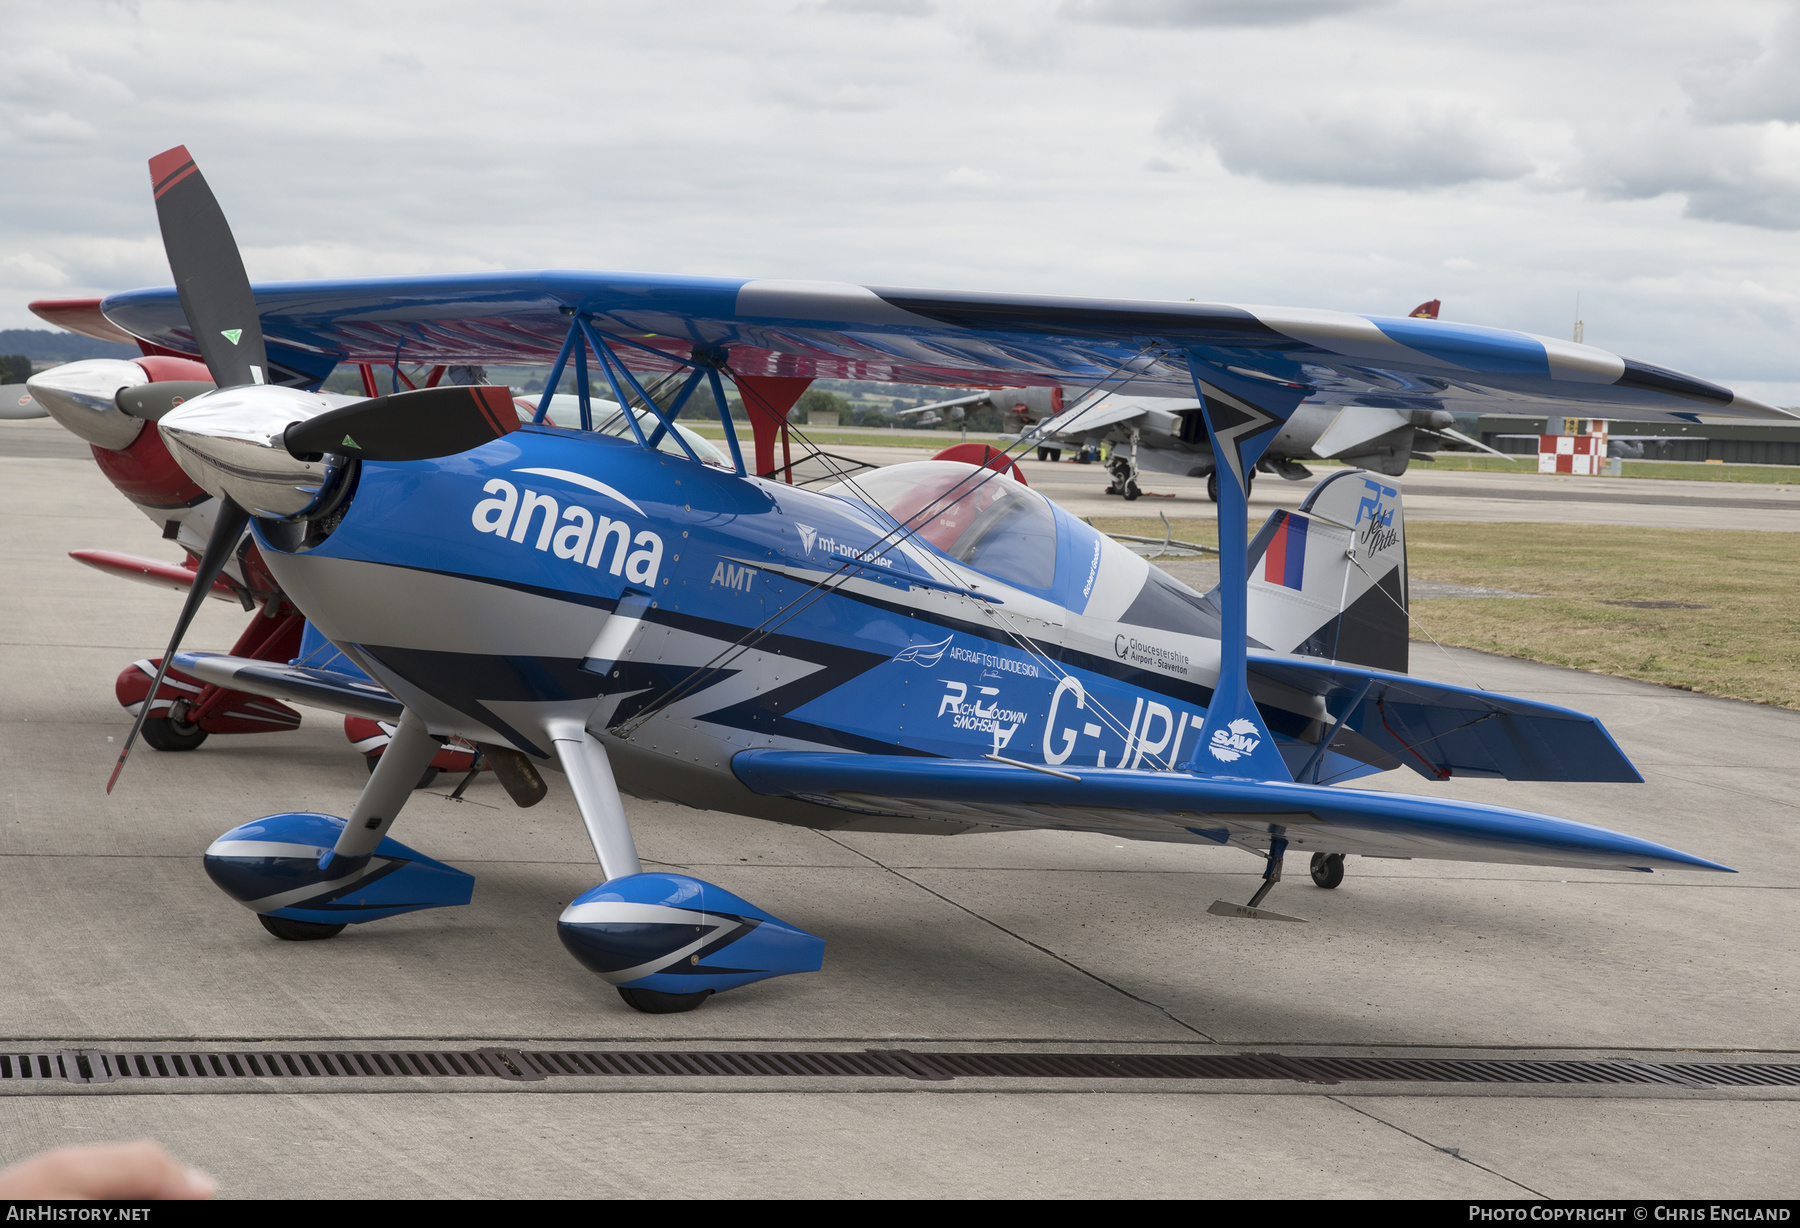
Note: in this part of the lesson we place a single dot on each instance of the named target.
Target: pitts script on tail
(928, 647)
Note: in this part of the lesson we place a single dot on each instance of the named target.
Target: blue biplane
(930, 647)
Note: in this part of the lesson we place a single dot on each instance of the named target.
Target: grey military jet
(1166, 435)
(1381, 427)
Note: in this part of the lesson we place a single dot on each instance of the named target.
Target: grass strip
(1675, 471)
(1740, 639)
(1735, 631)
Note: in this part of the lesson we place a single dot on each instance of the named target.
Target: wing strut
(1241, 417)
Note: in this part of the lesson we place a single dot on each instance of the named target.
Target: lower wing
(1178, 807)
(319, 688)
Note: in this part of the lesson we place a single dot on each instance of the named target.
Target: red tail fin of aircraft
(1425, 311)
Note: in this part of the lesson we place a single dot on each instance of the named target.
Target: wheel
(425, 778)
(1328, 869)
(1055, 455)
(1212, 486)
(165, 734)
(297, 931)
(656, 1002)
(1131, 491)
(1043, 454)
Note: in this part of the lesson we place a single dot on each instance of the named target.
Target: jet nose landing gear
(669, 941)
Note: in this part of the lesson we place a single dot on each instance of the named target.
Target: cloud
(853, 98)
(1748, 174)
(1196, 14)
(875, 8)
(1751, 88)
(58, 127)
(968, 177)
(47, 77)
(1366, 141)
(28, 272)
(793, 140)
(1732, 152)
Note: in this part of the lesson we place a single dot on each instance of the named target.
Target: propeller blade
(227, 528)
(209, 274)
(151, 401)
(405, 426)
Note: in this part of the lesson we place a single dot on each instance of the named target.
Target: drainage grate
(530, 1066)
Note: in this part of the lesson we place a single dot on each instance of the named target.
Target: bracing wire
(846, 571)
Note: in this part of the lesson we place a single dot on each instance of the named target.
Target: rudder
(1330, 579)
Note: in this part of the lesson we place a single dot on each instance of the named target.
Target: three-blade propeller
(221, 313)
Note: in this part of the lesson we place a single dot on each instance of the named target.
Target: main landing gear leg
(277, 865)
(391, 782)
(597, 796)
(667, 942)
(1271, 876)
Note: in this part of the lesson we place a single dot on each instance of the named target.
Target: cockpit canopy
(982, 519)
(993, 524)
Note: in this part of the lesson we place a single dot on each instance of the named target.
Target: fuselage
(686, 614)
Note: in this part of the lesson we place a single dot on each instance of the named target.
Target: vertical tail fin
(1330, 579)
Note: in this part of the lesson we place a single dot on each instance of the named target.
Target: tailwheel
(1328, 869)
(655, 1002)
(297, 931)
(165, 734)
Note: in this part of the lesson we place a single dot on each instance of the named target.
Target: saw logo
(1235, 741)
(573, 532)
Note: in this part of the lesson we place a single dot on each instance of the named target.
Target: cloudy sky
(1354, 154)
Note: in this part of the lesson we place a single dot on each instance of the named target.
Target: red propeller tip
(169, 168)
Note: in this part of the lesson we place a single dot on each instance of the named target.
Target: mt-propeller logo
(807, 534)
(231, 334)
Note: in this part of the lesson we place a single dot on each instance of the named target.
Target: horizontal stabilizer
(319, 688)
(1442, 731)
(1176, 806)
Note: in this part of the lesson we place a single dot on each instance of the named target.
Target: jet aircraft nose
(82, 396)
(230, 443)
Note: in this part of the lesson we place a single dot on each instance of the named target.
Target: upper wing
(1176, 806)
(842, 331)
